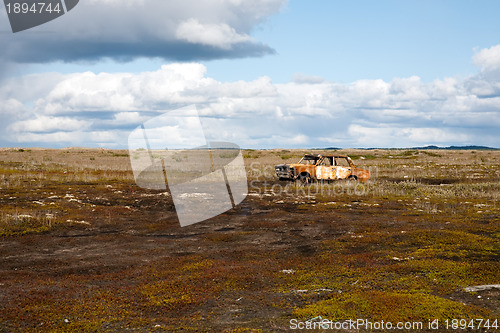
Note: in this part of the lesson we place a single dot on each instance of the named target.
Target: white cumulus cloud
(258, 113)
(50, 124)
(488, 59)
(217, 35)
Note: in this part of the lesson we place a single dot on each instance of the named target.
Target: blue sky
(392, 73)
(344, 41)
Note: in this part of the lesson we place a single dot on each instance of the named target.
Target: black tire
(352, 178)
(304, 179)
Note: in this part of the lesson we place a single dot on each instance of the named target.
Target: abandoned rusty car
(321, 168)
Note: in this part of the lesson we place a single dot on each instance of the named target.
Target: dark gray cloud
(124, 30)
(52, 50)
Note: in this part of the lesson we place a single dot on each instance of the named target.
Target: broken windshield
(308, 160)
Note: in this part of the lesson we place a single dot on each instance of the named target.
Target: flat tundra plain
(83, 249)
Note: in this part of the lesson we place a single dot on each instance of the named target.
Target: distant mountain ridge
(430, 147)
(457, 148)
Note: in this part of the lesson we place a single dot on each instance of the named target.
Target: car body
(321, 168)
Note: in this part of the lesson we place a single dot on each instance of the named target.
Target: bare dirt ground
(82, 248)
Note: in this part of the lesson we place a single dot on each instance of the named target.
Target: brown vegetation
(82, 248)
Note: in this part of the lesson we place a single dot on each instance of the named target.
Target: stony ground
(82, 248)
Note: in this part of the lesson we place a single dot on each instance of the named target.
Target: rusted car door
(326, 169)
(342, 168)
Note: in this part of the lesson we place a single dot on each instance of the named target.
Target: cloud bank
(123, 30)
(90, 109)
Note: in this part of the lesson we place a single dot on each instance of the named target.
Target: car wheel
(304, 179)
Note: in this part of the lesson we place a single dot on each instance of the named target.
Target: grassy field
(82, 248)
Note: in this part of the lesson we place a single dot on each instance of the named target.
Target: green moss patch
(388, 306)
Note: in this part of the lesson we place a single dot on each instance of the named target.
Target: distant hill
(431, 147)
(456, 148)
